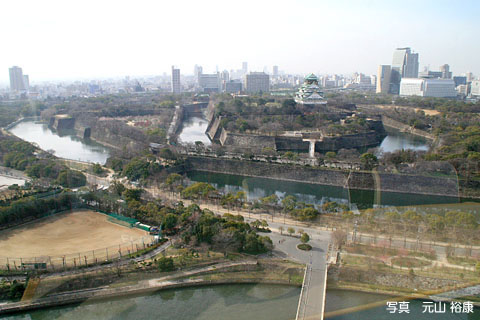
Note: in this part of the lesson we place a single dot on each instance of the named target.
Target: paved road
(313, 295)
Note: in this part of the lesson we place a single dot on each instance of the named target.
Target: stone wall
(248, 142)
(381, 278)
(362, 180)
(389, 122)
(213, 131)
(351, 141)
(62, 123)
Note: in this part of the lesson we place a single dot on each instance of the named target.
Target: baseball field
(64, 234)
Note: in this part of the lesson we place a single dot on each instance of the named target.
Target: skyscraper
(16, 79)
(275, 71)
(404, 65)
(244, 67)
(383, 79)
(176, 88)
(197, 70)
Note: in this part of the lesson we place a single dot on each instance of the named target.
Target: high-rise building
(244, 67)
(404, 65)
(445, 70)
(257, 82)
(469, 76)
(176, 87)
(16, 79)
(26, 82)
(197, 70)
(439, 88)
(275, 71)
(383, 79)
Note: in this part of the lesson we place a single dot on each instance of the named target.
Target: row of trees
(30, 208)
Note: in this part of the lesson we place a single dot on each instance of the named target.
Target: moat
(239, 302)
(65, 145)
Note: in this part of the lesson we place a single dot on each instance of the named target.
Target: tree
(173, 179)
(71, 178)
(305, 238)
(165, 264)
(290, 230)
(339, 238)
(133, 194)
(369, 161)
(289, 203)
(170, 221)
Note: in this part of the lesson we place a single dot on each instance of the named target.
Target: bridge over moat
(312, 298)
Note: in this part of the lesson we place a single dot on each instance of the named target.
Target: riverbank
(217, 274)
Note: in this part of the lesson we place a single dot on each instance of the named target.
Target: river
(233, 302)
(66, 145)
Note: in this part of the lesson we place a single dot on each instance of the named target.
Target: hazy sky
(88, 39)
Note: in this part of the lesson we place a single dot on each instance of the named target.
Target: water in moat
(193, 130)
(65, 145)
(256, 188)
(233, 302)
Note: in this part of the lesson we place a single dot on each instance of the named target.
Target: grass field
(64, 234)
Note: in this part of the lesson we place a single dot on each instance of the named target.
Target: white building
(475, 89)
(439, 88)
(210, 82)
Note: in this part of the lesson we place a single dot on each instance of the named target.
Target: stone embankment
(364, 180)
(391, 123)
(144, 286)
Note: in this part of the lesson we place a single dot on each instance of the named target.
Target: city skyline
(58, 41)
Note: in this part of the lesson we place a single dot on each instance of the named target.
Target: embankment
(364, 180)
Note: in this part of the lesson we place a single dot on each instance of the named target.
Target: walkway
(312, 299)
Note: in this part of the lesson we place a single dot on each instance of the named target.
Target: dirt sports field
(63, 234)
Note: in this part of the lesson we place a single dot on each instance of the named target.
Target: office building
(233, 86)
(439, 88)
(16, 79)
(430, 74)
(383, 79)
(197, 70)
(26, 82)
(210, 82)
(257, 82)
(244, 67)
(459, 80)
(404, 65)
(176, 87)
(275, 71)
(445, 70)
(475, 88)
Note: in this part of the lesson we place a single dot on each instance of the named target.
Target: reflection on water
(396, 140)
(234, 302)
(193, 129)
(65, 146)
(312, 193)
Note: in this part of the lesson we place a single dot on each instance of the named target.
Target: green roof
(311, 76)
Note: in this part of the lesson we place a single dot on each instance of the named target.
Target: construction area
(71, 239)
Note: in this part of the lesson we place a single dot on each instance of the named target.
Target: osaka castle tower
(310, 93)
